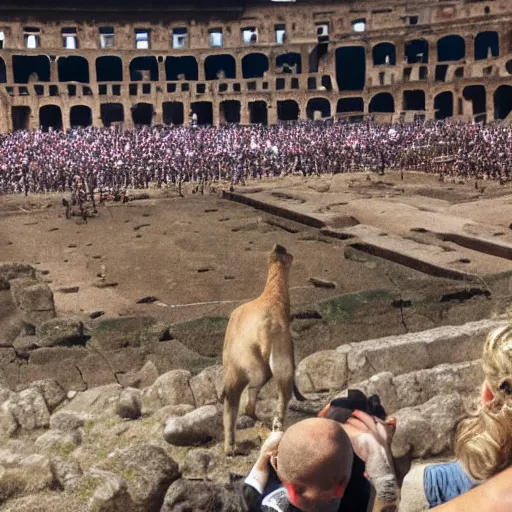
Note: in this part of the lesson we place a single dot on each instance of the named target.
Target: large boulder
(28, 410)
(323, 371)
(129, 404)
(23, 474)
(112, 495)
(171, 388)
(68, 473)
(56, 441)
(148, 472)
(428, 429)
(9, 271)
(68, 421)
(121, 332)
(33, 299)
(187, 495)
(62, 332)
(198, 463)
(142, 378)
(97, 402)
(207, 386)
(199, 426)
(52, 392)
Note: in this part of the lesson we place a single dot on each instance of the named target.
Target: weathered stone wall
(411, 88)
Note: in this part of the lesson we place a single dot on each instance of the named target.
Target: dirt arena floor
(204, 255)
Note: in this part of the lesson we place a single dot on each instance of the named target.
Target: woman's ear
(487, 394)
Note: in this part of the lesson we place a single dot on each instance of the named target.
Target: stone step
(332, 370)
(416, 388)
(462, 262)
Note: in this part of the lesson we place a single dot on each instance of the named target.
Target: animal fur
(258, 345)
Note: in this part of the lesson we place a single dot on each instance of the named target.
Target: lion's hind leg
(260, 374)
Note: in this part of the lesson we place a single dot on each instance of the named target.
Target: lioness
(259, 345)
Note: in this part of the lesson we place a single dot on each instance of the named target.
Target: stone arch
(73, 69)
(20, 117)
(485, 42)
(350, 68)
(219, 67)
(414, 99)
(254, 65)
(321, 105)
(355, 104)
(451, 48)
(204, 112)
(502, 101)
(173, 112)
(143, 69)
(26, 68)
(288, 110)
(416, 51)
(383, 52)
(111, 113)
(258, 112)
(186, 67)
(478, 97)
(290, 62)
(80, 115)
(109, 68)
(50, 116)
(142, 114)
(382, 102)
(230, 111)
(443, 105)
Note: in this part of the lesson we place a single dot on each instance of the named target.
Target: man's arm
(493, 496)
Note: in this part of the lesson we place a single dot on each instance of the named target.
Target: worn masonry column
(66, 120)
(54, 70)
(186, 111)
(9, 74)
(303, 114)
(272, 112)
(96, 114)
(216, 112)
(469, 42)
(238, 63)
(128, 120)
(244, 112)
(201, 76)
(158, 113)
(429, 105)
(489, 102)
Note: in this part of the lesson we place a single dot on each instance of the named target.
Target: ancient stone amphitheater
(91, 63)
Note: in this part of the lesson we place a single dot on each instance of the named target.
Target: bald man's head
(315, 451)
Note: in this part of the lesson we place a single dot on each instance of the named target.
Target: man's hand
(371, 440)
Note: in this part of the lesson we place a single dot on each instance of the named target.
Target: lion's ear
(279, 249)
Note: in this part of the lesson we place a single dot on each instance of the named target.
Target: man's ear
(273, 462)
(487, 394)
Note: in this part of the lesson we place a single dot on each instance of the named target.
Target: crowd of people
(112, 160)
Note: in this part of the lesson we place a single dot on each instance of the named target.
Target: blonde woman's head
(484, 440)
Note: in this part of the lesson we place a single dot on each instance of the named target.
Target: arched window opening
(443, 105)
(109, 69)
(384, 53)
(50, 117)
(287, 110)
(451, 48)
(218, 67)
(144, 69)
(254, 65)
(177, 68)
(350, 68)
(318, 108)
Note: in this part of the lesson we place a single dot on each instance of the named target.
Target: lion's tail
(298, 395)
